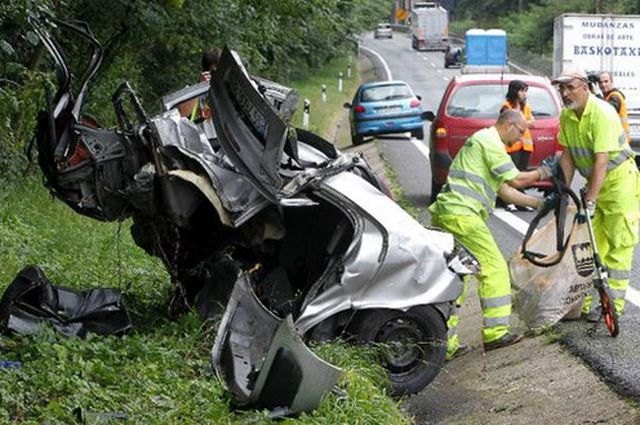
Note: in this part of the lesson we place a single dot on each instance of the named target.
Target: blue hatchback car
(384, 107)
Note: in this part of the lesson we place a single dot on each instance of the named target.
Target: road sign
(401, 14)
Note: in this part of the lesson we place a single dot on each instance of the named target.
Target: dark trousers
(521, 159)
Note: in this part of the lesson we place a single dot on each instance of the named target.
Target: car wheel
(357, 139)
(413, 344)
(435, 189)
(418, 134)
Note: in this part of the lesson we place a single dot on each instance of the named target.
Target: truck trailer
(429, 26)
(598, 42)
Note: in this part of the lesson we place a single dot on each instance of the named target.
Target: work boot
(507, 339)
(461, 351)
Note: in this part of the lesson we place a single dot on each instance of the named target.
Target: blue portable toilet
(475, 41)
(496, 47)
(486, 51)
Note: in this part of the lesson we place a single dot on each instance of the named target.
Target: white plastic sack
(544, 295)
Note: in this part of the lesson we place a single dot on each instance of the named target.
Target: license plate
(388, 109)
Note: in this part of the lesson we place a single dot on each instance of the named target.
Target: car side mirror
(428, 115)
(419, 97)
(346, 105)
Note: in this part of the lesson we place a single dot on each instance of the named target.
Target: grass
(327, 118)
(160, 373)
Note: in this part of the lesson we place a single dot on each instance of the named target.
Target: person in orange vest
(615, 97)
(196, 109)
(521, 150)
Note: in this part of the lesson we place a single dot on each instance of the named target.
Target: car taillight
(414, 103)
(358, 109)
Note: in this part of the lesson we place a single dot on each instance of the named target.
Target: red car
(472, 102)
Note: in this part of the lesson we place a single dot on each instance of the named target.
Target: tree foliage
(156, 45)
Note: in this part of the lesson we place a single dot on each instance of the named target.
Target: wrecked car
(248, 199)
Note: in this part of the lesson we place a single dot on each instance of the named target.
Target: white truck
(429, 26)
(603, 43)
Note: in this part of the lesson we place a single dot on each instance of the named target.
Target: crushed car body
(248, 199)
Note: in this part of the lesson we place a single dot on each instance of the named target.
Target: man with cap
(595, 145)
(480, 171)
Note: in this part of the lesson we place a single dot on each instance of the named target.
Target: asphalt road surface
(569, 376)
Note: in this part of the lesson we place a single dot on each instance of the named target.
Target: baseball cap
(568, 75)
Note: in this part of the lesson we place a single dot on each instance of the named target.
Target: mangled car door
(249, 130)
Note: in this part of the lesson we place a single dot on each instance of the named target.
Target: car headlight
(461, 262)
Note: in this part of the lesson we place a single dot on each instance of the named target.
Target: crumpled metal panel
(393, 261)
(238, 196)
(263, 360)
(252, 135)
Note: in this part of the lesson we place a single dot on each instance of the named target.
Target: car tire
(413, 344)
(435, 189)
(357, 139)
(418, 134)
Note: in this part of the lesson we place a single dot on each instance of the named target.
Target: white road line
(633, 296)
(422, 148)
(381, 59)
(512, 220)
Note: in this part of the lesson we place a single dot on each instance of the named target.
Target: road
(585, 399)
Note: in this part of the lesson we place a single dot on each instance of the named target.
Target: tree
(156, 46)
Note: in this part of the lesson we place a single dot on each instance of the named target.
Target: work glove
(550, 202)
(590, 208)
(549, 167)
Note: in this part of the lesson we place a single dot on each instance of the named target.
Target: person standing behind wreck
(615, 97)
(596, 145)
(481, 169)
(197, 108)
(522, 149)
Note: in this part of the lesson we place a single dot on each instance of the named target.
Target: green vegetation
(323, 115)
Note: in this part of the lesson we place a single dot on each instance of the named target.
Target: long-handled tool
(601, 278)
